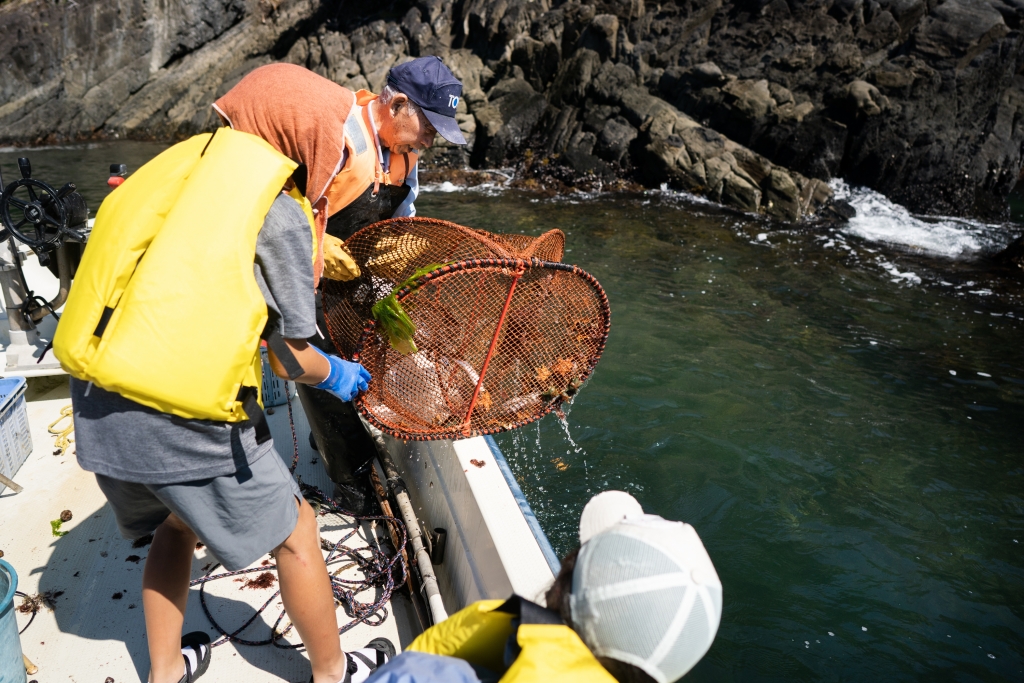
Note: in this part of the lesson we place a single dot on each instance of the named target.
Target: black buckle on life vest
(284, 354)
(250, 403)
(529, 612)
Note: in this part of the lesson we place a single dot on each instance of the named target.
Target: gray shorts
(239, 516)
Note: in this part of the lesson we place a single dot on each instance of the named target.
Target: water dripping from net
(530, 454)
(521, 451)
(575, 449)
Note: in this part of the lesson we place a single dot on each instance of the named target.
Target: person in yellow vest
(361, 153)
(192, 260)
(638, 602)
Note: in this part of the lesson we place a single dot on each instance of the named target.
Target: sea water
(839, 412)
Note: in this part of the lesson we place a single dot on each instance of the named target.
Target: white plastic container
(275, 390)
(15, 436)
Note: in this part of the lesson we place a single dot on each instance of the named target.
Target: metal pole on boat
(431, 591)
(385, 506)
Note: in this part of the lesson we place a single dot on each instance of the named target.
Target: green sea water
(841, 419)
(849, 447)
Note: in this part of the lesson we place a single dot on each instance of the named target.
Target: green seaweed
(55, 528)
(392, 318)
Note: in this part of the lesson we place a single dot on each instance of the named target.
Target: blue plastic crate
(15, 435)
(275, 389)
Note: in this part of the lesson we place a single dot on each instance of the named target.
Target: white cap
(645, 592)
(605, 510)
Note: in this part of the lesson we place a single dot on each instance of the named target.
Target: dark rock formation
(1012, 257)
(752, 102)
(921, 100)
(505, 119)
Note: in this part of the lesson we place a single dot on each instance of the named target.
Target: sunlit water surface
(837, 411)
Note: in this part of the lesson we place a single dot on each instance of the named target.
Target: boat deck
(96, 630)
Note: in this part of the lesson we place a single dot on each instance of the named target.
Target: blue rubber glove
(346, 380)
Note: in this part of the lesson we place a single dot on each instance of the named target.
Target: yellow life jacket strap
(249, 398)
(274, 340)
(284, 354)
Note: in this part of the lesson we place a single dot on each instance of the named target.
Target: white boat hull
(495, 546)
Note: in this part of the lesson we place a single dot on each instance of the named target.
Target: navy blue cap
(430, 84)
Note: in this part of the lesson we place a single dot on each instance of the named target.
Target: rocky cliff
(77, 69)
(753, 103)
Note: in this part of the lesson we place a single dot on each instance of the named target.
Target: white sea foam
(446, 186)
(880, 220)
(897, 276)
(490, 188)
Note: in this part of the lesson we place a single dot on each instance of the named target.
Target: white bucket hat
(645, 592)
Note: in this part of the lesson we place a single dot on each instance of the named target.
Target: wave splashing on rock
(880, 220)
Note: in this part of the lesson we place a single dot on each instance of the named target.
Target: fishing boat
(472, 535)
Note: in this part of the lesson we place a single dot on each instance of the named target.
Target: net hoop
(517, 268)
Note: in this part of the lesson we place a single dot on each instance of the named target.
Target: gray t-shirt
(122, 439)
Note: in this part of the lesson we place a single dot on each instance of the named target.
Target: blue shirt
(419, 667)
(406, 208)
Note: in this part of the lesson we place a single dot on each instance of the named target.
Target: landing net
(503, 332)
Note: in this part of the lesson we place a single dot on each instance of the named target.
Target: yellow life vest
(363, 165)
(165, 309)
(551, 653)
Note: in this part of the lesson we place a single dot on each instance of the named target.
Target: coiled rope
(378, 570)
(62, 435)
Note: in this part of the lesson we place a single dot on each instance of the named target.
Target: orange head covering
(302, 115)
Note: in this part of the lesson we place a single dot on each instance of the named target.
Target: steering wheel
(33, 212)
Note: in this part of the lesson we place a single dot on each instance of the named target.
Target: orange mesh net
(504, 333)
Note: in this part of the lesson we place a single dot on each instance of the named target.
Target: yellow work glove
(392, 255)
(338, 265)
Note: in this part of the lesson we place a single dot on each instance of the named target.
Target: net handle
(520, 269)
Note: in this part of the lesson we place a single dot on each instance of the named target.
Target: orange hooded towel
(302, 115)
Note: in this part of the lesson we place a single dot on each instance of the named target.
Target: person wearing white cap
(638, 602)
(642, 591)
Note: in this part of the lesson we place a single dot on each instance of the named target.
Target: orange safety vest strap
(400, 166)
(362, 165)
(378, 169)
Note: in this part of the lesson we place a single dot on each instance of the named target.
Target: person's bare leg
(164, 596)
(307, 596)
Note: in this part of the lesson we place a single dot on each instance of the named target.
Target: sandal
(385, 651)
(199, 642)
